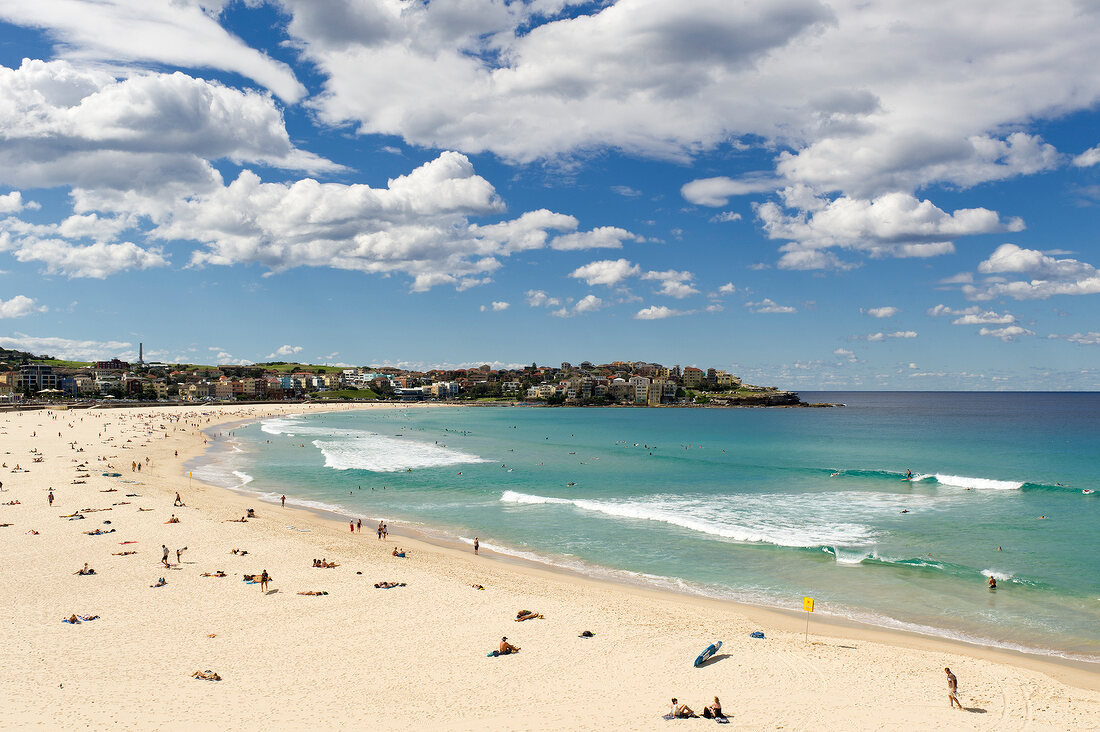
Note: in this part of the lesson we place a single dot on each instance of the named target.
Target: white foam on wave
(980, 484)
(353, 449)
(281, 425)
(244, 477)
(359, 450)
(795, 521)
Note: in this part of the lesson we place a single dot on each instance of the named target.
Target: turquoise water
(763, 506)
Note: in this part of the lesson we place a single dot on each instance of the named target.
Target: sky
(808, 194)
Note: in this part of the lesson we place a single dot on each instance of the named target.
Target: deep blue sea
(759, 505)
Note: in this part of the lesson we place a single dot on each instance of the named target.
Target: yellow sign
(808, 604)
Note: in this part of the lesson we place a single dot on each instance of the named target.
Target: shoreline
(1049, 660)
(412, 657)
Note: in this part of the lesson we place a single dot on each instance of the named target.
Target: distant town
(42, 378)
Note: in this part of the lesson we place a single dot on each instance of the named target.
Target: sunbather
(206, 675)
(312, 592)
(714, 710)
(160, 583)
(86, 570)
(506, 647)
(681, 711)
(219, 573)
(527, 615)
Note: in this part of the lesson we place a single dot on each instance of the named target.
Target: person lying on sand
(526, 615)
(219, 573)
(506, 647)
(122, 554)
(388, 585)
(241, 520)
(239, 552)
(86, 570)
(312, 592)
(160, 583)
(206, 675)
(478, 587)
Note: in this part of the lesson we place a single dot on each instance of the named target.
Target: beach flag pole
(808, 606)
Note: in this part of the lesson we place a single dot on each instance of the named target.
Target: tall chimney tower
(141, 353)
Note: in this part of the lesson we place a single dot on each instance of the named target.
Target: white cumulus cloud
(887, 311)
(880, 336)
(19, 306)
(767, 305)
(1006, 334)
(180, 33)
(1048, 276)
(587, 304)
(674, 283)
(70, 349)
(606, 271)
(893, 225)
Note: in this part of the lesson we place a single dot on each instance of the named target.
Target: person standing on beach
(164, 559)
(263, 581)
(952, 690)
(476, 545)
(283, 500)
(359, 526)
(379, 531)
(50, 497)
(351, 524)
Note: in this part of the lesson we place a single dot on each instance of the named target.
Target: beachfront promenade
(410, 657)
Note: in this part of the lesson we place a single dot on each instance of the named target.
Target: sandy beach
(411, 657)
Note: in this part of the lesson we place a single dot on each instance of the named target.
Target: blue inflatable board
(708, 653)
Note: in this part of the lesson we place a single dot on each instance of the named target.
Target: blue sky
(809, 194)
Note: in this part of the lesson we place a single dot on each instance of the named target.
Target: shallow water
(758, 505)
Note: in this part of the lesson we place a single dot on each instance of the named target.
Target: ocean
(763, 506)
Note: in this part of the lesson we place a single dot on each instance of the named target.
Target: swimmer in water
(992, 582)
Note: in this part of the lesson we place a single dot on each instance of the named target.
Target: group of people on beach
(683, 711)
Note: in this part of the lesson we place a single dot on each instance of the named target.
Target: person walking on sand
(283, 501)
(164, 559)
(352, 525)
(50, 498)
(952, 690)
(476, 545)
(380, 531)
(264, 577)
(359, 526)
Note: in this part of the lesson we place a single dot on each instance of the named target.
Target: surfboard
(708, 653)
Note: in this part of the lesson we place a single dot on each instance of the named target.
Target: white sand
(411, 657)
